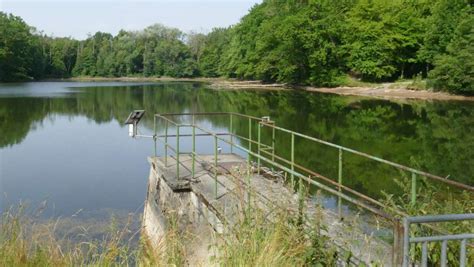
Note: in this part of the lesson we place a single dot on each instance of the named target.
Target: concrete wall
(197, 223)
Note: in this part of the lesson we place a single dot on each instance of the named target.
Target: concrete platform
(205, 200)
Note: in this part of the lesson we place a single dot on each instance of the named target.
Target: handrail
(266, 123)
(444, 238)
(266, 153)
(324, 187)
(441, 218)
(396, 165)
(346, 149)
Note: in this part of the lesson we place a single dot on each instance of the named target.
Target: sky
(78, 18)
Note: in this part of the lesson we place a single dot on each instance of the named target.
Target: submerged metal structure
(180, 167)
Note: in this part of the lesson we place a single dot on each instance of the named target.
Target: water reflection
(66, 141)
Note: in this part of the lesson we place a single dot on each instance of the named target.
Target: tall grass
(26, 241)
(259, 237)
(283, 240)
(253, 241)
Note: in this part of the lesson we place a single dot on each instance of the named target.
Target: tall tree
(211, 60)
(454, 70)
(19, 49)
(441, 25)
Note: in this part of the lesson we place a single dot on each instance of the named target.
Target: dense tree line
(315, 42)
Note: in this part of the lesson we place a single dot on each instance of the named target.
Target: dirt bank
(384, 91)
(391, 93)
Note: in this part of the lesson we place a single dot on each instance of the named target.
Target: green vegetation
(254, 241)
(20, 50)
(315, 42)
(25, 242)
(454, 69)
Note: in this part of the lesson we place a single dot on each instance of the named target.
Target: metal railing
(266, 154)
(424, 240)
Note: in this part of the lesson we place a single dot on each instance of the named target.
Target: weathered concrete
(203, 211)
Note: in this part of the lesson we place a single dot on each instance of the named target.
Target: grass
(350, 81)
(417, 83)
(256, 241)
(253, 241)
(26, 241)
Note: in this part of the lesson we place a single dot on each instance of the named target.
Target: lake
(64, 148)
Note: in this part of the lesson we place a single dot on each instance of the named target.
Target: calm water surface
(63, 143)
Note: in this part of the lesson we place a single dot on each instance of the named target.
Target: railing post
(166, 144)
(259, 126)
(177, 151)
(216, 166)
(462, 259)
(250, 139)
(339, 181)
(273, 143)
(398, 233)
(194, 149)
(444, 251)
(249, 187)
(292, 160)
(413, 188)
(406, 242)
(154, 135)
(424, 254)
(301, 198)
(231, 135)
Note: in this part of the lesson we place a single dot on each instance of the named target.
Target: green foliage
(61, 57)
(454, 70)
(155, 51)
(324, 41)
(440, 27)
(18, 49)
(211, 58)
(383, 37)
(317, 42)
(314, 42)
(256, 240)
(26, 55)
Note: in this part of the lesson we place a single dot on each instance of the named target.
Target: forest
(297, 42)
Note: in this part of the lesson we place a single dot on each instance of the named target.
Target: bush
(454, 71)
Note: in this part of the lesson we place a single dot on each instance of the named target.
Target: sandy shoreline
(396, 93)
(383, 91)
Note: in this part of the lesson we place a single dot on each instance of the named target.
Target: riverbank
(384, 90)
(399, 90)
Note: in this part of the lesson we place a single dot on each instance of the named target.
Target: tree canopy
(306, 42)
